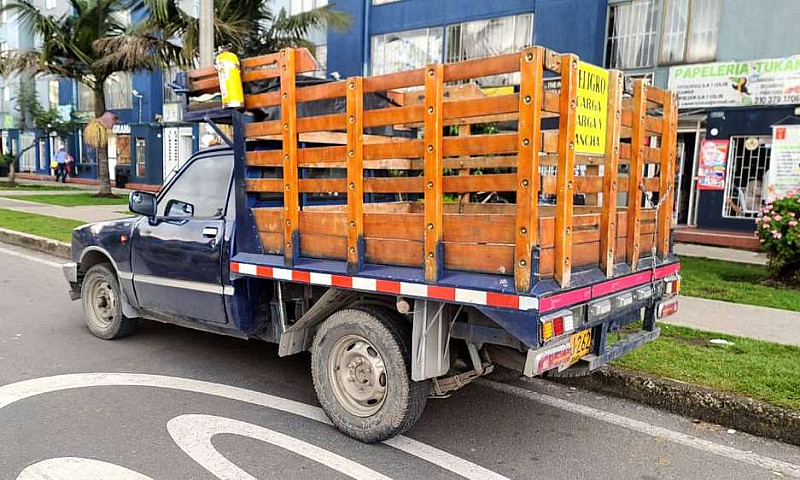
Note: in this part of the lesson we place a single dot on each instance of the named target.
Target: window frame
(428, 31)
(765, 142)
(687, 36)
(656, 32)
(194, 158)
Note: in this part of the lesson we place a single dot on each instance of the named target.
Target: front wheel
(360, 364)
(102, 304)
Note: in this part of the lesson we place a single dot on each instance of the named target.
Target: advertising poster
(784, 164)
(592, 110)
(713, 160)
(773, 81)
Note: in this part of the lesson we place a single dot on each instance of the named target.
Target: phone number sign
(773, 81)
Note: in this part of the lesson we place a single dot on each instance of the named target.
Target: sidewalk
(79, 186)
(769, 324)
(720, 253)
(89, 213)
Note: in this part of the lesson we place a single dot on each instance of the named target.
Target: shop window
(745, 187)
(117, 92)
(690, 31)
(485, 38)
(141, 157)
(631, 36)
(395, 52)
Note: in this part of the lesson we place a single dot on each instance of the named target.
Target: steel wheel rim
(103, 302)
(357, 375)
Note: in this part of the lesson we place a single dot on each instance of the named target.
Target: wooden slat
(531, 64)
(551, 102)
(480, 145)
(636, 174)
(272, 242)
(262, 100)
(608, 223)
(264, 158)
(651, 155)
(407, 149)
(323, 246)
(264, 185)
(482, 67)
(269, 219)
(394, 252)
(566, 151)
(390, 81)
(398, 226)
(479, 228)
(434, 211)
(652, 124)
(394, 116)
(495, 259)
(262, 129)
(658, 96)
(394, 184)
(290, 173)
(478, 107)
(323, 154)
(500, 182)
(321, 123)
(322, 185)
(355, 174)
(323, 91)
(323, 222)
(667, 194)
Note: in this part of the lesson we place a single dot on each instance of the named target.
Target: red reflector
(556, 358)
(667, 308)
(558, 325)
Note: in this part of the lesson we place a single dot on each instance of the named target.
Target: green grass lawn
(41, 225)
(734, 282)
(762, 370)
(72, 200)
(4, 186)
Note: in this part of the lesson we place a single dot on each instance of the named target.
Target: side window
(201, 190)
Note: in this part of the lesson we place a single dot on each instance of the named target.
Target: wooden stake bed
(443, 177)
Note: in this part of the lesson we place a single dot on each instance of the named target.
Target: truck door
(177, 256)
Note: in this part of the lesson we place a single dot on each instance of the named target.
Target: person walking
(61, 161)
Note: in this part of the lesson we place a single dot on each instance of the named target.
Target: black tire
(403, 399)
(104, 317)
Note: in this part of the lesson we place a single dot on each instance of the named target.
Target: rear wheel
(102, 304)
(360, 364)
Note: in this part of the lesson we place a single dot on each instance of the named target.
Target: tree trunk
(102, 152)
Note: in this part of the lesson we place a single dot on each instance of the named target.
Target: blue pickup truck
(329, 244)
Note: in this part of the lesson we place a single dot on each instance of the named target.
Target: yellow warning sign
(592, 109)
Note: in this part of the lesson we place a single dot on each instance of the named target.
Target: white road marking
(16, 392)
(73, 468)
(751, 458)
(30, 257)
(193, 434)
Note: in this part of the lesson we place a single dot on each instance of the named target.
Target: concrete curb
(733, 411)
(34, 242)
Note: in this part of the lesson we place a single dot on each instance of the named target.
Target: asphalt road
(171, 403)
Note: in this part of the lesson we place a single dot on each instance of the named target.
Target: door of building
(27, 162)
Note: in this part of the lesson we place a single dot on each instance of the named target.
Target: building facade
(734, 65)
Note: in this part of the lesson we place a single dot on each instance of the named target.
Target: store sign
(121, 129)
(737, 84)
(784, 164)
(591, 114)
(713, 159)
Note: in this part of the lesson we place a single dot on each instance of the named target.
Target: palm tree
(92, 43)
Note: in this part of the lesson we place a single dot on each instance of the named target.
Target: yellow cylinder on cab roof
(230, 80)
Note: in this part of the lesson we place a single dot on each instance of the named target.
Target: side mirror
(143, 203)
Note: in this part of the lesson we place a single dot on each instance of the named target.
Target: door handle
(210, 232)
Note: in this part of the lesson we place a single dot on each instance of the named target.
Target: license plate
(581, 344)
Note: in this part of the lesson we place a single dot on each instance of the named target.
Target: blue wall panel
(572, 26)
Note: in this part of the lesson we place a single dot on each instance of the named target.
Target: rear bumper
(618, 349)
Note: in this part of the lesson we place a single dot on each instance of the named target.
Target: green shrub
(778, 227)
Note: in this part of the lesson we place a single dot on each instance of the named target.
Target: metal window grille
(168, 76)
(690, 30)
(631, 36)
(397, 51)
(744, 185)
(485, 38)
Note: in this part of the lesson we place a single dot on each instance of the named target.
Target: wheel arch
(94, 255)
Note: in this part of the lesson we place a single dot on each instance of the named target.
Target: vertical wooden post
(566, 169)
(434, 208)
(636, 173)
(531, 65)
(355, 174)
(669, 127)
(291, 208)
(608, 216)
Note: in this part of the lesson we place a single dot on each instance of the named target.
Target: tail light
(556, 324)
(667, 308)
(672, 285)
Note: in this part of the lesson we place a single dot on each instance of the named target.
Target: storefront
(729, 115)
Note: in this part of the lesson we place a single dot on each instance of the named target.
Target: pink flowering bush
(777, 227)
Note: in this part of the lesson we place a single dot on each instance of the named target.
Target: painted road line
(751, 458)
(15, 392)
(30, 257)
(74, 468)
(193, 434)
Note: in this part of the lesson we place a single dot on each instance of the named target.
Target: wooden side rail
(425, 168)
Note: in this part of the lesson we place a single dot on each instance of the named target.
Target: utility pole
(206, 33)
